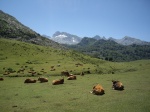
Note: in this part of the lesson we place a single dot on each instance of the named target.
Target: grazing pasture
(20, 61)
(75, 96)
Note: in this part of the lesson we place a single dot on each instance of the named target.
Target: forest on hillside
(112, 51)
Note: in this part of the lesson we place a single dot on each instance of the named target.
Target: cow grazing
(59, 81)
(1, 79)
(117, 85)
(42, 79)
(72, 77)
(30, 81)
(98, 90)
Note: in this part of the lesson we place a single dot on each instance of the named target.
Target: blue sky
(109, 18)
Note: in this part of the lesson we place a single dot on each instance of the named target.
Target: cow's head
(114, 82)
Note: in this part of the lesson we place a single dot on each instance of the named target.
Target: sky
(109, 18)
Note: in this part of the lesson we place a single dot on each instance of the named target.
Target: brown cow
(59, 81)
(1, 79)
(117, 85)
(72, 77)
(42, 79)
(30, 81)
(98, 90)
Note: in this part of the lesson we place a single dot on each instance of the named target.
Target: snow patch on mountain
(65, 38)
(61, 36)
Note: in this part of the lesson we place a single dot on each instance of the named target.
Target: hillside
(97, 47)
(19, 61)
(11, 28)
(14, 55)
(17, 55)
(112, 51)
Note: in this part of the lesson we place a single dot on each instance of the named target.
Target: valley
(24, 54)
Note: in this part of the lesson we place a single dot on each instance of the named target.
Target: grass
(73, 95)
(16, 54)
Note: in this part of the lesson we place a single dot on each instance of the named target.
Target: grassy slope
(16, 55)
(72, 96)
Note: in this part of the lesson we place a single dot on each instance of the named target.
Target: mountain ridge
(130, 40)
(11, 28)
(111, 50)
(67, 38)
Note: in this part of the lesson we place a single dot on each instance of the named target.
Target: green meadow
(18, 59)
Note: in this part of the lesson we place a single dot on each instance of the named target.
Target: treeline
(112, 51)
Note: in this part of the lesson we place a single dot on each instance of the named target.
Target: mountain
(124, 41)
(111, 50)
(65, 38)
(86, 41)
(97, 37)
(130, 41)
(46, 36)
(126, 49)
(11, 28)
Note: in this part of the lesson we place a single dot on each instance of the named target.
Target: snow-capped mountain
(65, 38)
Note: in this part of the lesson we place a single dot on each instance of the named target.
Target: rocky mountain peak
(130, 40)
(65, 38)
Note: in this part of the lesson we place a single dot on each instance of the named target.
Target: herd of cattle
(97, 89)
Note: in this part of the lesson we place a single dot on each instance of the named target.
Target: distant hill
(65, 38)
(97, 37)
(11, 28)
(130, 41)
(87, 42)
(112, 51)
(124, 41)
